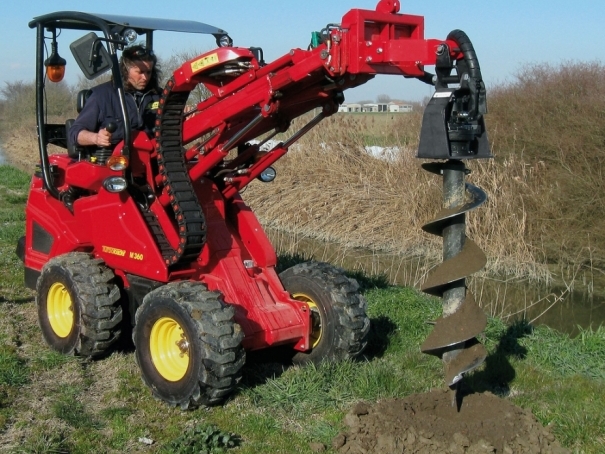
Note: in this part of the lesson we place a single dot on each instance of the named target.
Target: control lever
(104, 153)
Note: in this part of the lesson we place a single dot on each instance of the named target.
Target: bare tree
(19, 100)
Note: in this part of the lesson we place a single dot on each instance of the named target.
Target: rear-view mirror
(91, 56)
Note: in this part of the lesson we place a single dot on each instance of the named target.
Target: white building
(394, 107)
(376, 107)
(349, 108)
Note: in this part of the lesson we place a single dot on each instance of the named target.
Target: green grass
(13, 195)
(13, 368)
(103, 406)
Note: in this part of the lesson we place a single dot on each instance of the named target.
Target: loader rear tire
(78, 305)
(187, 345)
(340, 325)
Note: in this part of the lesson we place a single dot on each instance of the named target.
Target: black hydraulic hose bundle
(190, 220)
(474, 83)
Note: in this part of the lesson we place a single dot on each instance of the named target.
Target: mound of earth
(428, 423)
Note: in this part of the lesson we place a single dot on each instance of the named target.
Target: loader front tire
(340, 325)
(78, 305)
(187, 345)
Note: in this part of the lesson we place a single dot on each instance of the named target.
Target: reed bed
(329, 187)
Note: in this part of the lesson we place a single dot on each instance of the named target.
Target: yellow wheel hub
(59, 308)
(315, 335)
(169, 349)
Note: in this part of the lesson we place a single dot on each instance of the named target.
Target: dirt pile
(428, 424)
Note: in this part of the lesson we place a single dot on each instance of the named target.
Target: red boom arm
(249, 99)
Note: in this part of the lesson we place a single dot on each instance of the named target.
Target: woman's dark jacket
(103, 107)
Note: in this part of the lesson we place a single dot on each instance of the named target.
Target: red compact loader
(153, 237)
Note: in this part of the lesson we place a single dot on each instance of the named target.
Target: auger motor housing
(453, 126)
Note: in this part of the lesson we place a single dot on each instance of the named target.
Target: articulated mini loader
(153, 236)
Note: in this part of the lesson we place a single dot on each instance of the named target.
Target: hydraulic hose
(474, 81)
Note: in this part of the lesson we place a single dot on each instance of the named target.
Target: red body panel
(237, 260)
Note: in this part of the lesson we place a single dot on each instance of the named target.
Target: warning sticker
(204, 62)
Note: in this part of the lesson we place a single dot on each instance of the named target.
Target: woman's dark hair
(138, 52)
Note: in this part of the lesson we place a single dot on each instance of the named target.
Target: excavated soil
(428, 423)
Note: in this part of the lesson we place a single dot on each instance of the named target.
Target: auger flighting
(453, 130)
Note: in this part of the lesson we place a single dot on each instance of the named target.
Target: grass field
(51, 403)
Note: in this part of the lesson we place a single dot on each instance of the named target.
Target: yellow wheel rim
(169, 349)
(60, 310)
(315, 335)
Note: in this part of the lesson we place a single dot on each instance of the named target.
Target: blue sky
(507, 34)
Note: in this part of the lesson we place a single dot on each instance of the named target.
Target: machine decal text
(114, 251)
(136, 256)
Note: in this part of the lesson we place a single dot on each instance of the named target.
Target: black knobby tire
(78, 305)
(340, 324)
(187, 345)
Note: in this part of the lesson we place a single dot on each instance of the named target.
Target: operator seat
(74, 150)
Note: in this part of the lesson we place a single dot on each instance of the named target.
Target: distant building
(379, 107)
(395, 107)
(376, 107)
(350, 108)
(369, 108)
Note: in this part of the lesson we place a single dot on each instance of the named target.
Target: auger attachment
(453, 130)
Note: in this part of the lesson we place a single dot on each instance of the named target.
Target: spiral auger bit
(453, 130)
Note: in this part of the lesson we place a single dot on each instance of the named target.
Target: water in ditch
(565, 306)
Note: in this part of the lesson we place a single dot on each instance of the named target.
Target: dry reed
(20, 143)
(329, 187)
